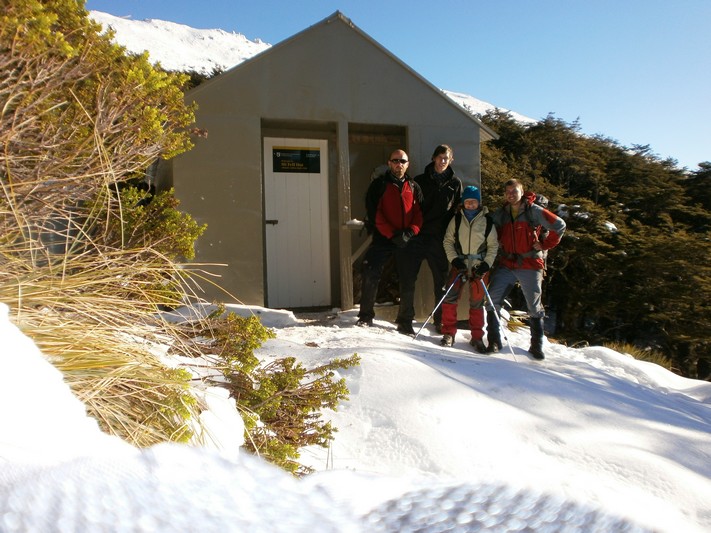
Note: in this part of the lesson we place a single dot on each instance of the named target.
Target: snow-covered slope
(479, 107)
(179, 47)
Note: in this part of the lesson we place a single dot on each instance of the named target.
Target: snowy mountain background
(178, 47)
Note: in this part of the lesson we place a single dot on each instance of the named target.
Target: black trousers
(421, 248)
(376, 256)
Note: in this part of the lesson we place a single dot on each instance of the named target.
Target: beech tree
(78, 113)
(631, 265)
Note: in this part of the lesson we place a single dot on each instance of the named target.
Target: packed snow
(431, 439)
(590, 438)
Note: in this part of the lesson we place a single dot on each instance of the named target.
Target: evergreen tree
(637, 235)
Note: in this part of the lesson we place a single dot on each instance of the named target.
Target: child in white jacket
(471, 245)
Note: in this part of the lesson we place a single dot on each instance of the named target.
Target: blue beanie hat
(471, 192)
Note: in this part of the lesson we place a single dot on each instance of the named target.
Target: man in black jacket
(441, 193)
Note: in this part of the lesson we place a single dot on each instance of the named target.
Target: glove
(459, 265)
(481, 269)
(400, 239)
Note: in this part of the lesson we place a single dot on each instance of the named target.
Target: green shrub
(85, 264)
(82, 269)
(281, 401)
(151, 221)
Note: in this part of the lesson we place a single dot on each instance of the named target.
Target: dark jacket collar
(448, 173)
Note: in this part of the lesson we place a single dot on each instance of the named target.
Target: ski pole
(438, 304)
(498, 320)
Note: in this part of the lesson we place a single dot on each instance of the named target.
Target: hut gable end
(315, 71)
(335, 94)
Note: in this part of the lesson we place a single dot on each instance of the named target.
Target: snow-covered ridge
(480, 107)
(182, 48)
(179, 47)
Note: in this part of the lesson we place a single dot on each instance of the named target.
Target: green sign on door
(298, 160)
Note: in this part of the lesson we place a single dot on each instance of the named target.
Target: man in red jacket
(521, 259)
(393, 208)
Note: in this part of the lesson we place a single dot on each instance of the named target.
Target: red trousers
(476, 306)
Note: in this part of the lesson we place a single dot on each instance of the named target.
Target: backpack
(540, 231)
(541, 200)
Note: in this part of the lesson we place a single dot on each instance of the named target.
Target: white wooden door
(296, 219)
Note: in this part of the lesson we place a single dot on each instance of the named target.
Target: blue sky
(636, 71)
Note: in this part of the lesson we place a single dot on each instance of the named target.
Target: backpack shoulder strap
(457, 223)
(489, 224)
(535, 228)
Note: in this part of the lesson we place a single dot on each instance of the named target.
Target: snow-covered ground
(587, 440)
(473, 438)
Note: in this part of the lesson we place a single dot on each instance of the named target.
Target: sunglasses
(401, 161)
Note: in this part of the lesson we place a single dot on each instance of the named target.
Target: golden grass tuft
(641, 354)
(96, 319)
(85, 267)
(93, 309)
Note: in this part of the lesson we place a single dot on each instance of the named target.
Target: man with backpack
(392, 204)
(521, 224)
(441, 192)
(471, 246)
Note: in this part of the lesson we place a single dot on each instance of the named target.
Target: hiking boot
(494, 333)
(447, 340)
(537, 352)
(365, 323)
(438, 327)
(405, 328)
(494, 347)
(478, 345)
(536, 349)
